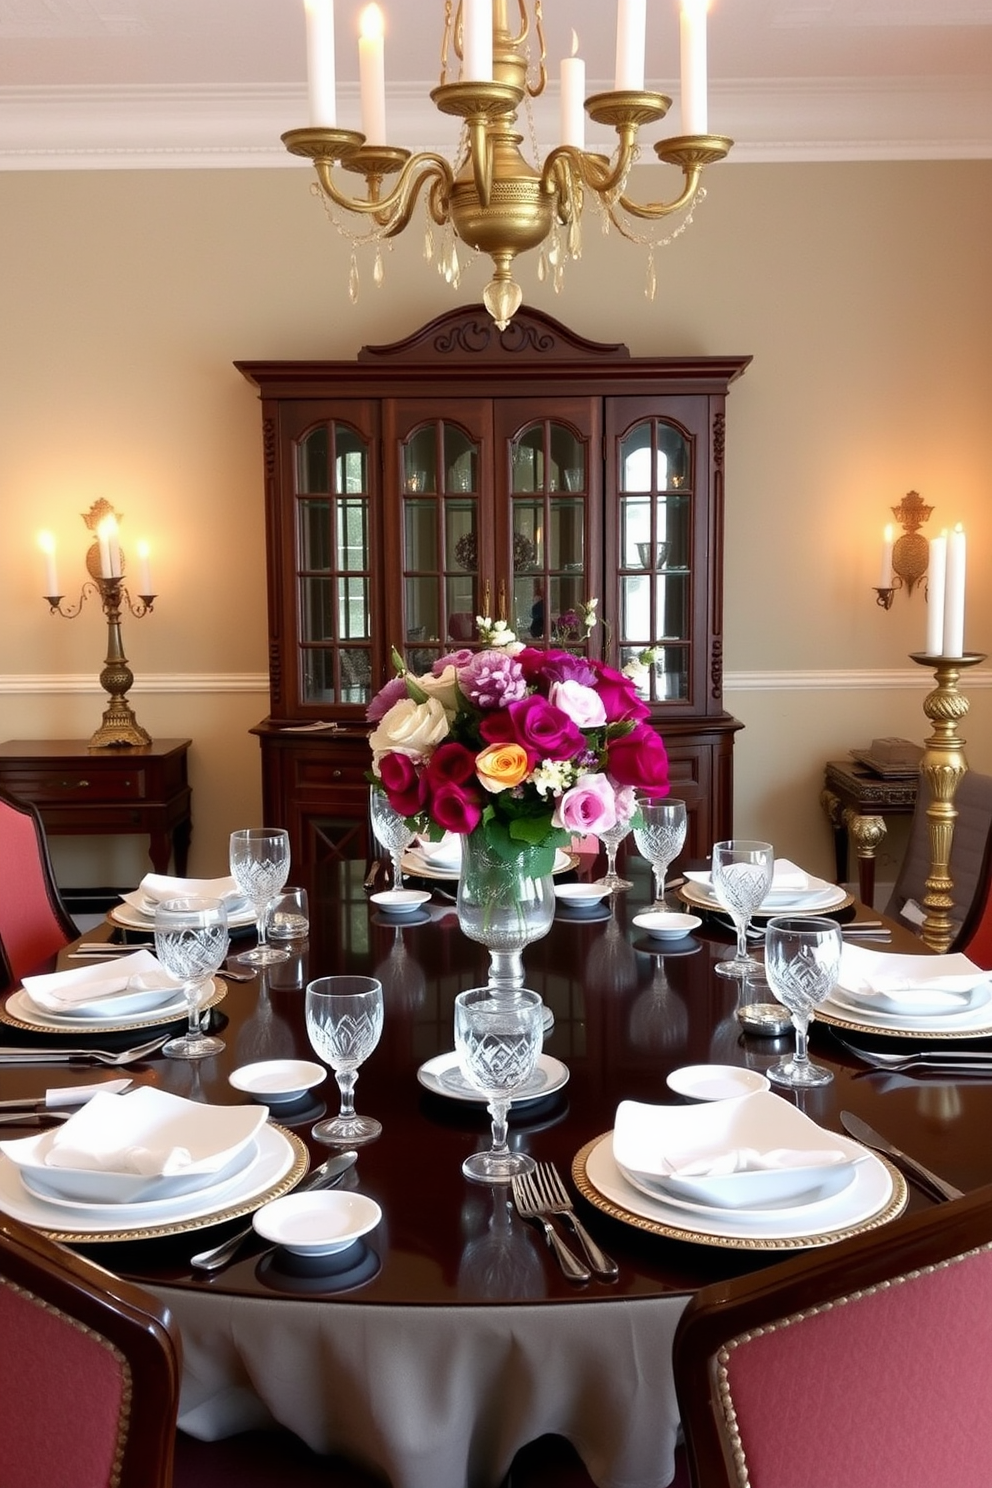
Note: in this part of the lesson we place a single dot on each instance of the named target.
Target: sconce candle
(936, 582)
(144, 570)
(954, 594)
(477, 49)
(46, 543)
(321, 83)
(573, 92)
(885, 579)
(372, 76)
(631, 26)
(692, 29)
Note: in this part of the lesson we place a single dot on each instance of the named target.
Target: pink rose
(589, 807)
(583, 705)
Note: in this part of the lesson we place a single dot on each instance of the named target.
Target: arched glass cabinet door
(656, 498)
(549, 503)
(333, 573)
(441, 549)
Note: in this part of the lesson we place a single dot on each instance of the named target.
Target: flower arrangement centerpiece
(515, 749)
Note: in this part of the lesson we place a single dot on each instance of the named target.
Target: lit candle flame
(370, 22)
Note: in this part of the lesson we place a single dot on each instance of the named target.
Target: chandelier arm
(482, 157)
(594, 171)
(423, 166)
(652, 211)
(437, 201)
(534, 90)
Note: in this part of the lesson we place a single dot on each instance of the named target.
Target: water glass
(611, 838)
(344, 1024)
(741, 871)
(287, 917)
(191, 941)
(659, 837)
(498, 1040)
(802, 962)
(391, 832)
(260, 867)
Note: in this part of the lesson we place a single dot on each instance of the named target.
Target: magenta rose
(619, 696)
(544, 731)
(542, 668)
(399, 776)
(639, 759)
(450, 762)
(455, 807)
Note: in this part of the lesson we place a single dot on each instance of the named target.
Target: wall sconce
(106, 566)
(904, 561)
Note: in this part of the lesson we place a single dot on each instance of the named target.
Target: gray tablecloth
(438, 1397)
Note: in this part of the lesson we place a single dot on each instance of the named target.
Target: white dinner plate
(21, 1012)
(442, 1075)
(280, 1162)
(976, 1022)
(129, 914)
(878, 1193)
(414, 863)
(216, 1190)
(812, 1204)
(918, 1002)
(826, 896)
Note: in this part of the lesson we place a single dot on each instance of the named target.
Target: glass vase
(503, 904)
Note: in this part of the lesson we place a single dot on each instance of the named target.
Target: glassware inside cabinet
(441, 557)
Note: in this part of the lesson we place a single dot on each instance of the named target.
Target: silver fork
(529, 1207)
(950, 1060)
(82, 1056)
(557, 1201)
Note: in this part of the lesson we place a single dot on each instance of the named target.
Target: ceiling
(144, 83)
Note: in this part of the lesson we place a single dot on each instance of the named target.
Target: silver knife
(862, 1132)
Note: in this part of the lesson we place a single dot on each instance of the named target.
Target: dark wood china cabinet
(465, 472)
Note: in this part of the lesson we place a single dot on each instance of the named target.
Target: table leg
(831, 804)
(867, 832)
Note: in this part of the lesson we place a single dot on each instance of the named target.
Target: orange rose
(502, 766)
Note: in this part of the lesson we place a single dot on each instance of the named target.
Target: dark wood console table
(857, 801)
(80, 791)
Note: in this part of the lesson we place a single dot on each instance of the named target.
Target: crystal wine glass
(498, 1040)
(260, 866)
(611, 838)
(660, 837)
(742, 875)
(391, 832)
(191, 941)
(344, 1025)
(802, 962)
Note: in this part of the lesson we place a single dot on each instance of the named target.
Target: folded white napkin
(445, 853)
(157, 887)
(786, 877)
(94, 1138)
(751, 1160)
(152, 1132)
(62, 991)
(864, 973)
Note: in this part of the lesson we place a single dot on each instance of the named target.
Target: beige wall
(862, 291)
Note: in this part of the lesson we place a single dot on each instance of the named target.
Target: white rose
(415, 729)
(444, 688)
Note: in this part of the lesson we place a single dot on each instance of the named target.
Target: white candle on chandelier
(372, 76)
(477, 41)
(885, 575)
(46, 543)
(573, 92)
(321, 83)
(631, 21)
(936, 582)
(103, 539)
(692, 29)
(144, 570)
(954, 594)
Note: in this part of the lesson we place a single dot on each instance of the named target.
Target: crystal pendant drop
(428, 246)
(353, 281)
(456, 268)
(378, 270)
(542, 267)
(651, 283)
(502, 298)
(575, 237)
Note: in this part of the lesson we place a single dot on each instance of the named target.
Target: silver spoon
(323, 1177)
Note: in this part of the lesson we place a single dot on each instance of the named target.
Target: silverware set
(540, 1196)
(929, 1181)
(949, 1060)
(118, 1058)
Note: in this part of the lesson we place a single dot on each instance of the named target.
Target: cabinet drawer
(44, 784)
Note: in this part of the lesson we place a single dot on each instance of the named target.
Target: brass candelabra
(943, 767)
(107, 568)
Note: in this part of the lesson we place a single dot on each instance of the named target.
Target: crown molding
(182, 128)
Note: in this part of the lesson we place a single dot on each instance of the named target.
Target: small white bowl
(710, 1082)
(664, 924)
(278, 1081)
(400, 901)
(580, 896)
(317, 1224)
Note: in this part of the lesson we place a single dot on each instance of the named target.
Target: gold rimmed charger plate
(95, 1028)
(891, 1210)
(701, 902)
(853, 1024)
(414, 867)
(298, 1163)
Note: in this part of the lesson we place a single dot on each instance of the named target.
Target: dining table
(457, 1338)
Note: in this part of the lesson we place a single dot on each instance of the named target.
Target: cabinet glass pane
(527, 461)
(350, 462)
(315, 535)
(317, 610)
(313, 462)
(654, 456)
(353, 609)
(669, 547)
(420, 461)
(356, 674)
(568, 460)
(461, 460)
(461, 607)
(420, 535)
(461, 541)
(566, 549)
(567, 594)
(422, 609)
(645, 623)
(353, 537)
(668, 679)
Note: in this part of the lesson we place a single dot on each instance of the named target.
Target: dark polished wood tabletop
(625, 1014)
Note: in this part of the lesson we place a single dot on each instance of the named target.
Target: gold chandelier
(491, 198)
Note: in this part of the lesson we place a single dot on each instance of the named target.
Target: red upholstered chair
(865, 1362)
(89, 1372)
(34, 922)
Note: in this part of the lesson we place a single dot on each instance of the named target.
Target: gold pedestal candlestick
(943, 766)
(120, 728)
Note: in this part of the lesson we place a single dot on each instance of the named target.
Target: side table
(141, 790)
(857, 801)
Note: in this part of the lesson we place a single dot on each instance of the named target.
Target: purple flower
(491, 679)
(457, 659)
(388, 694)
